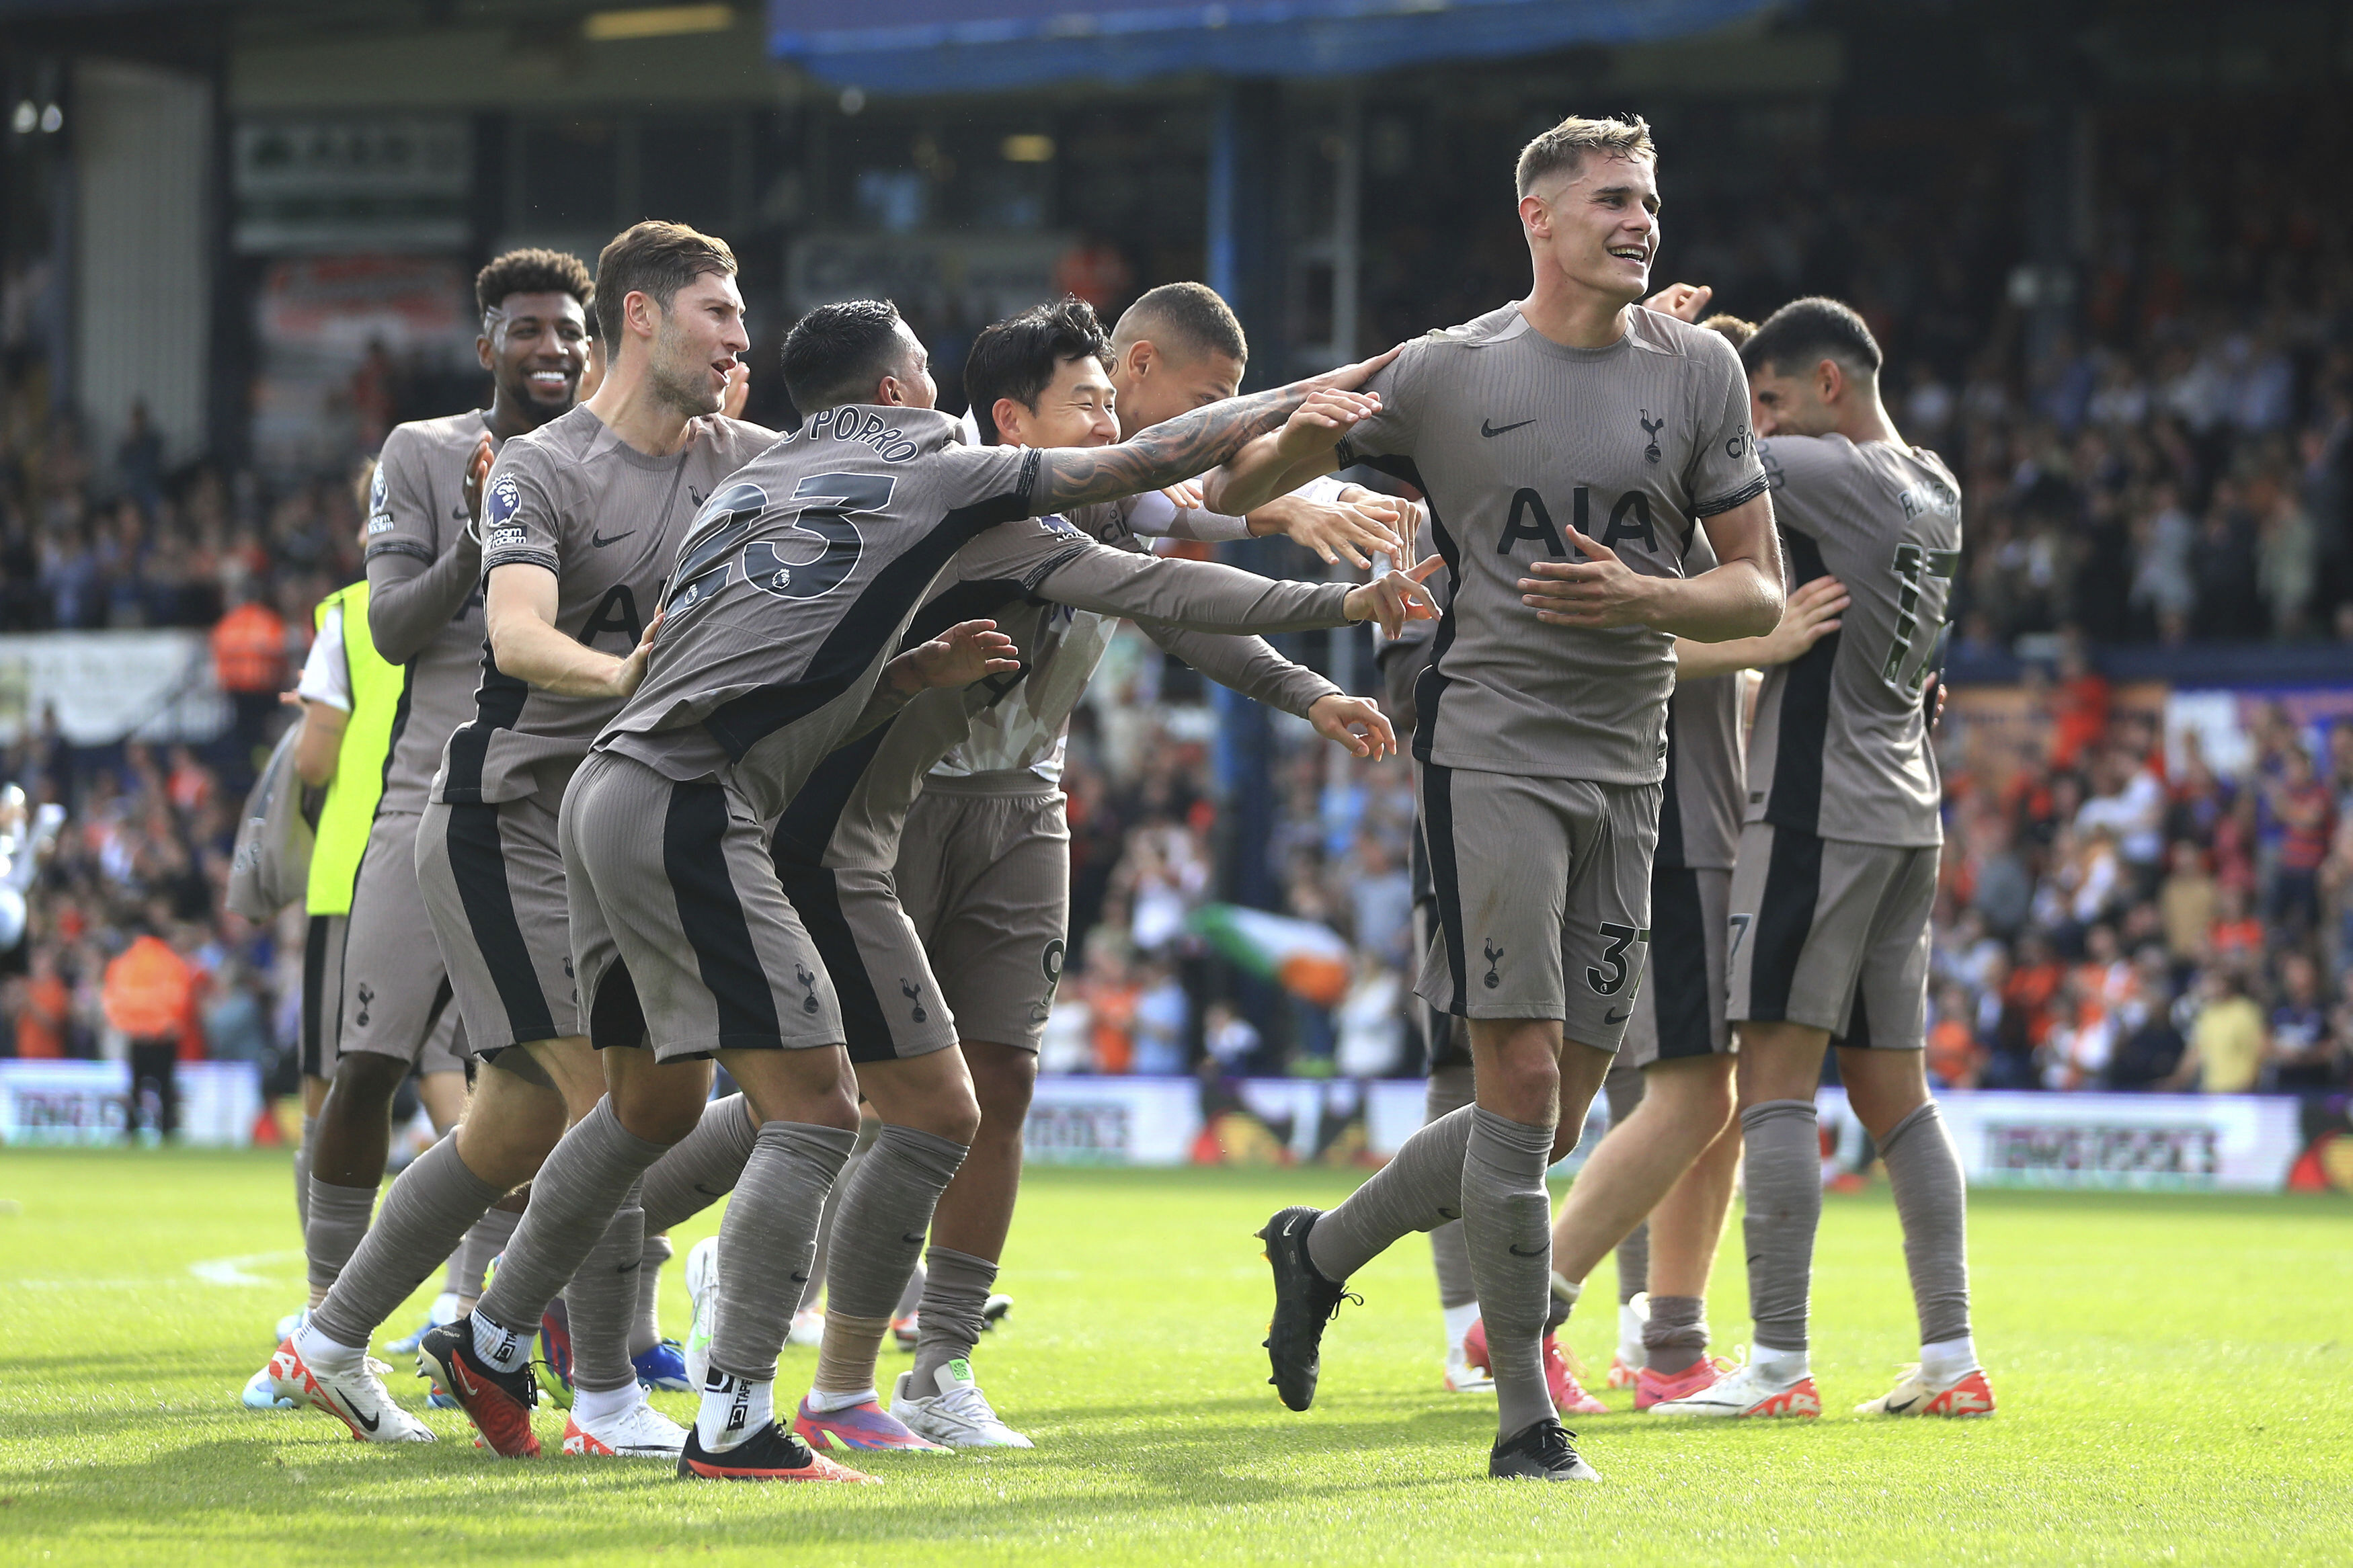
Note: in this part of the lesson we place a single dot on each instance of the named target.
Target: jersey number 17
(1912, 563)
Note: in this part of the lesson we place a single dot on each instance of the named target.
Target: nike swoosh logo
(370, 1422)
(1492, 430)
(599, 541)
(1619, 1018)
(914, 1240)
(1899, 1409)
(1539, 1252)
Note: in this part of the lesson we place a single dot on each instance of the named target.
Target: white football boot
(958, 1416)
(1748, 1390)
(1626, 1365)
(638, 1431)
(357, 1398)
(1967, 1394)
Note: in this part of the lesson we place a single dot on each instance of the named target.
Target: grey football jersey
(1841, 747)
(416, 512)
(850, 811)
(1699, 815)
(764, 663)
(606, 519)
(1513, 439)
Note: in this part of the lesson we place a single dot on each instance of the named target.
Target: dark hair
(534, 273)
(1804, 331)
(656, 259)
(836, 354)
(1192, 315)
(1020, 356)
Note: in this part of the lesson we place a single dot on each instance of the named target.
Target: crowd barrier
(2217, 1143)
(89, 1103)
(2239, 1143)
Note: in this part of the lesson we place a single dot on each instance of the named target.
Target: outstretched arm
(1811, 614)
(1741, 597)
(959, 656)
(1178, 449)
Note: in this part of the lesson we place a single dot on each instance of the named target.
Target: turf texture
(2170, 1372)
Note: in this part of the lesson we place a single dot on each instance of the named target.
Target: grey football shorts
(681, 933)
(890, 1006)
(492, 880)
(396, 998)
(1832, 934)
(1543, 896)
(985, 882)
(1680, 1012)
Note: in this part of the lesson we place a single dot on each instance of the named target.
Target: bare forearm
(1166, 454)
(531, 650)
(1259, 473)
(1734, 602)
(320, 743)
(1696, 660)
(410, 600)
(899, 685)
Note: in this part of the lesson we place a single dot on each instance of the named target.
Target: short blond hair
(1566, 144)
(1730, 328)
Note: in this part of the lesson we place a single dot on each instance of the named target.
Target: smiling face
(1074, 410)
(1782, 403)
(694, 343)
(536, 347)
(1597, 225)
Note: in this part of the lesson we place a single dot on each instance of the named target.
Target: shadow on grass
(1193, 1454)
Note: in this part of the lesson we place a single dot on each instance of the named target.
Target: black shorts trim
(710, 914)
(1679, 926)
(314, 981)
(816, 896)
(1446, 882)
(477, 863)
(1793, 886)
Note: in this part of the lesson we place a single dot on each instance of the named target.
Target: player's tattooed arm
(965, 652)
(1178, 449)
(1278, 463)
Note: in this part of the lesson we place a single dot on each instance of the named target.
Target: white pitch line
(232, 1270)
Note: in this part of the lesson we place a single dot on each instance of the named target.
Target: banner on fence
(89, 1102)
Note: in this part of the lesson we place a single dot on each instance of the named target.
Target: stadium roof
(947, 46)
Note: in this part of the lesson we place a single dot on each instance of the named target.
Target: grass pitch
(2170, 1372)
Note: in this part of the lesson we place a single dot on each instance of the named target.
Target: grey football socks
(337, 1219)
(1507, 1219)
(701, 1167)
(1450, 1090)
(423, 1217)
(601, 1302)
(1676, 1334)
(1421, 1189)
(645, 1329)
(1931, 1200)
(1784, 1186)
(884, 1212)
(765, 1243)
(816, 1286)
(583, 1229)
(485, 1240)
(956, 1296)
(302, 1175)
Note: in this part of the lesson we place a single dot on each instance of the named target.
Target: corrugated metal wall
(143, 285)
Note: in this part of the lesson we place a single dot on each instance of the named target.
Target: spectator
(2301, 804)
(2150, 1050)
(148, 993)
(1163, 1014)
(250, 663)
(1372, 1022)
(1956, 1059)
(2188, 901)
(2226, 1042)
(2305, 1052)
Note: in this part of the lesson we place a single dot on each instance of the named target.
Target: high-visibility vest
(358, 783)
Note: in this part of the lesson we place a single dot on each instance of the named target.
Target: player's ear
(1007, 413)
(1536, 216)
(1141, 356)
(482, 349)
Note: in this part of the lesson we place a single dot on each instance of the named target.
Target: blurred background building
(2105, 245)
